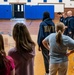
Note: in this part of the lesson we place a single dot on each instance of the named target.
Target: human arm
(39, 48)
(69, 53)
(66, 26)
(40, 36)
(70, 43)
(12, 65)
(71, 25)
(13, 72)
(46, 45)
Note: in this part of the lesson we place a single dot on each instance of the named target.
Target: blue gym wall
(36, 11)
(5, 12)
(30, 12)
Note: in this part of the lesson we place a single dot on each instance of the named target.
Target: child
(6, 62)
(24, 51)
(46, 27)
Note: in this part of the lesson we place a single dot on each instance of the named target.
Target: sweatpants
(45, 54)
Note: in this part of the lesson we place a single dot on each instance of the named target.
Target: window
(22, 9)
(29, 0)
(18, 7)
(5, 0)
(44, 0)
(60, 0)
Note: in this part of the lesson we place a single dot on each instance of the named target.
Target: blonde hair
(59, 29)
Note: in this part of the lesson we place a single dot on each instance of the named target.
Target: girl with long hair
(24, 51)
(7, 66)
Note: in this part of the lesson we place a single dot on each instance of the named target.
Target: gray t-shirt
(58, 53)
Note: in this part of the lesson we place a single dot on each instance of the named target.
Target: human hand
(70, 32)
(66, 26)
(39, 48)
(68, 53)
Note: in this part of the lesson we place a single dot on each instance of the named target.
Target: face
(64, 15)
(60, 15)
(69, 13)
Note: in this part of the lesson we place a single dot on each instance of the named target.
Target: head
(46, 15)
(69, 13)
(64, 15)
(59, 14)
(22, 37)
(60, 27)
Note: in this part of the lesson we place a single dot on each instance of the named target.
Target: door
(18, 10)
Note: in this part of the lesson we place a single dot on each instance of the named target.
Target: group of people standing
(20, 59)
(51, 41)
(68, 19)
(54, 40)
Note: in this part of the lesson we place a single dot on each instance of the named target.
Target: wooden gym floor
(6, 27)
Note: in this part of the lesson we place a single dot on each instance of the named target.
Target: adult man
(70, 24)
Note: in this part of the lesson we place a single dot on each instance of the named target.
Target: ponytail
(59, 27)
(59, 37)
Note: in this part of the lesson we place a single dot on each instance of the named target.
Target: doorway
(18, 10)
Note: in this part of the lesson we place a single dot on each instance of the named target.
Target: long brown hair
(3, 59)
(59, 29)
(22, 38)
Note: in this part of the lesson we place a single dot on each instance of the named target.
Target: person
(24, 51)
(58, 44)
(60, 15)
(46, 27)
(70, 24)
(7, 66)
(65, 21)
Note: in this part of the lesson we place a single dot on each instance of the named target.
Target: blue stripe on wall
(60, 0)
(5, 0)
(6, 12)
(36, 11)
(44, 0)
(29, 0)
